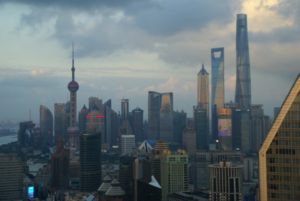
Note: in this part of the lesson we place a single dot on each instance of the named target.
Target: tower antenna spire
(73, 66)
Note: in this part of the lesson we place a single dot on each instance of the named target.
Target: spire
(73, 67)
(203, 67)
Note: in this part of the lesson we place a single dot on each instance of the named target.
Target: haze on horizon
(124, 49)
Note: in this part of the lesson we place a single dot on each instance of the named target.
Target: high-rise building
(241, 129)
(204, 158)
(46, 125)
(279, 155)
(166, 117)
(60, 167)
(154, 101)
(217, 87)
(90, 162)
(127, 144)
(95, 103)
(11, 177)
(201, 127)
(243, 80)
(174, 172)
(137, 122)
(25, 133)
(203, 88)
(126, 175)
(260, 125)
(179, 124)
(225, 182)
(124, 109)
(108, 113)
(225, 128)
(60, 121)
(73, 87)
(82, 119)
(94, 122)
(189, 140)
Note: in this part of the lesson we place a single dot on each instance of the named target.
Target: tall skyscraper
(166, 117)
(73, 87)
(60, 121)
(225, 128)
(127, 143)
(124, 109)
(154, 99)
(82, 119)
(243, 80)
(217, 86)
(217, 77)
(137, 122)
(225, 182)
(279, 155)
(90, 162)
(201, 127)
(46, 125)
(203, 88)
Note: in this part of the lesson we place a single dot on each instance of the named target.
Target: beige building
(279, 155)
(225, 182)
(203, 88)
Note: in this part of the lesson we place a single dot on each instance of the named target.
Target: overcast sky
(124, 48)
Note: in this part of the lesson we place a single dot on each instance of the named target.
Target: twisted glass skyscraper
(243, 81)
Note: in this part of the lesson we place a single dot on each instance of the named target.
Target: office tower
(225, 128)
(25, 133)
(259, 127)
(154, 100)
(126, 175)
(115, 124)
(124, 109)
(225, 182)
(115, 192)
(203, 88)
(201, 127)
(243, 80)
(241, 129)
(94, 122)
(82, 119)
(46, 125)
(90, 162)
(95, 103)
(189, 140)
(217, 87)
(73, 87)
(127, 144)
(204, 158)
(11, 177)
(166, 117)
(60, 167)
(60, 121)
(106, 139)
(179, 124)
(174, 172)
(137, 122)
(279, 155)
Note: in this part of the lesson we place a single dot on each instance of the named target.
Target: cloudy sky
(124, 48)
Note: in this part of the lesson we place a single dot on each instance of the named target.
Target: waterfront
(8, 139)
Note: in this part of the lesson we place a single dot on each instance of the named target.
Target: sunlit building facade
(203, 88)
(166, 117)
(243, 80)
(279, 155)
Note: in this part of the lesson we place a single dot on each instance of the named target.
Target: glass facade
(166, 117)
(243, 81)
(280, 153)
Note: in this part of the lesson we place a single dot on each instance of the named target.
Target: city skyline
(37, 37)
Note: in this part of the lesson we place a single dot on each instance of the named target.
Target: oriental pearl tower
(73, 87)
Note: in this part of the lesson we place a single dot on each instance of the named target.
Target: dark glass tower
(243, 81)
(217, 87)
(154, 100)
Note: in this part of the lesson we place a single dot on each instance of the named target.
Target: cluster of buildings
(226, 151)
